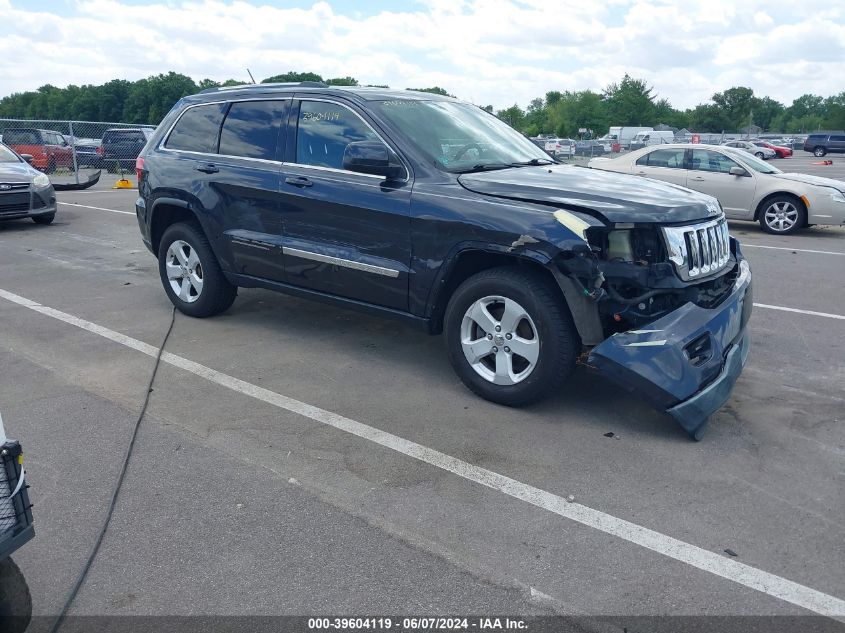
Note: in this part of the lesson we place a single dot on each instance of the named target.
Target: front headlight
(837, 196)
(41, 181)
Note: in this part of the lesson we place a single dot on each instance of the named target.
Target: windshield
(8, 156)
(459, 137)
(755, 163)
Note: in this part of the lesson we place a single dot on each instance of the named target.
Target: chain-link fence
(76, 152)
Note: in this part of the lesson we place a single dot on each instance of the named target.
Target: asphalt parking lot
(257, 486)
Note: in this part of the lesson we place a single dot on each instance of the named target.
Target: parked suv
(49, 150)
(421, 207)
(821, 144)
(120, 147)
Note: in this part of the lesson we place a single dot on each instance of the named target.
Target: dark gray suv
(824, 143)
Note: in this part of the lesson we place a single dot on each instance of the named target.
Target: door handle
(207, 168)
(299, 181)
(697, 179)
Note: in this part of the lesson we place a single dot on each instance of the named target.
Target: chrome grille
(698, 250)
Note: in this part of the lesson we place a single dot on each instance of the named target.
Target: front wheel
(15, 598)
(783, 215)
(44, 219)
(819, 151)
(191, 274)
(759, 154)
(510, 336)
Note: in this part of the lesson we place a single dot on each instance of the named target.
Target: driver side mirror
(372, 157)
(738, 171)
(27, 158)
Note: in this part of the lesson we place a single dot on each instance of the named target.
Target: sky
(497, 52)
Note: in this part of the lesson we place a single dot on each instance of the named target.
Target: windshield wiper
(533, 162)
(483, 167)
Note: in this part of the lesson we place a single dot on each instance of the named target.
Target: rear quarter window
(197, 130)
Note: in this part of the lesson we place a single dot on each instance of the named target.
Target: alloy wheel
(781, 216)
(184, 271)
(500, 340)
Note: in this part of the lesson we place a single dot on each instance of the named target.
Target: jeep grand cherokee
(434, 211)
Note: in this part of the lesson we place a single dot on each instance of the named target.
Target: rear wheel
(44, 219)
(819, 151)
(783, 215)
(759, 154)
(510, 336)
(191, 274)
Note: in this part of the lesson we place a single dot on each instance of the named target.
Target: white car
(559, 147)
(746, 187)
(760, 152)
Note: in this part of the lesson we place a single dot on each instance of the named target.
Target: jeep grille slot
(700, 249)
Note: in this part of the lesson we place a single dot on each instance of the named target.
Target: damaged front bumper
(687, 362)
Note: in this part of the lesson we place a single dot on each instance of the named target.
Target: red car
(49, 149)
(782, 152)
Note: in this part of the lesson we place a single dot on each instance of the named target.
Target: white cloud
(489, 51)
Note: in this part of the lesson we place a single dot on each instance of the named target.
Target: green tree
(630, 102)
(292, 76)
(764, 111)
(736, 104)
(513, 116)
(437, 90)
(575, 110)
(708, 117)
(342, 81)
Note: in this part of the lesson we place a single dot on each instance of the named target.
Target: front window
(459, 137)
(324, 130)
(7, 155)
(758, 165)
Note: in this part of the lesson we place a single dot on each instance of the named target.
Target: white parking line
(757, 579)
(796, 250)
(86, 206)
(827, 315)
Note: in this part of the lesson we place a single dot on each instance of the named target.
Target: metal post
(73, 150)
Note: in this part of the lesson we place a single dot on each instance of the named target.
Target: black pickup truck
(432, 210)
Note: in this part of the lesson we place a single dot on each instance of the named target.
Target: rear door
(345, 233)
(710, 173)
(836, 143)
(247, 181)
(663, 164)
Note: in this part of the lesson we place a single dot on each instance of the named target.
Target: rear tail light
(139, 168)
(100, 150)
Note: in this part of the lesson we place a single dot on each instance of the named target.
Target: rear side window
(673, 158)
(251, 129)
(837, 137)
(197, 129)
(324, 130)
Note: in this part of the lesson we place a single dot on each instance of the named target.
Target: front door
(345, 233)
(710, 173)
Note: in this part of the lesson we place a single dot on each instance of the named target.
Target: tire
(546, 319)
(44, 219)
(819, 151)
(760, 155)
(782, 215)
(208, 292)
(15, 599)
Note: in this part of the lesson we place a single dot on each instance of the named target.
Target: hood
(615, 197)
(16, 172)
(812, 180)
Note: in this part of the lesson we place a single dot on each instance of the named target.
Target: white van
(652, 137)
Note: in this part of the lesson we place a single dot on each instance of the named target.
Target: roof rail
(287, 84)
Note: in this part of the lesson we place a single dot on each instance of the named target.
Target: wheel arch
(473, 259)
(789, 194)
(168, 211)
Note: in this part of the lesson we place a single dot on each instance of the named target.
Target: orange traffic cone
(823, 162)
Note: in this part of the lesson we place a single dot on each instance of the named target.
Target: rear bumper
(655, 361)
